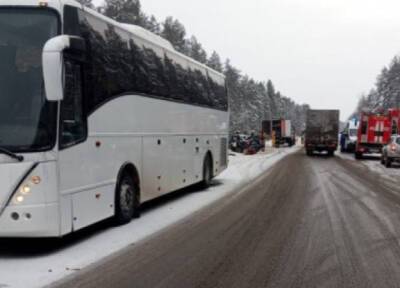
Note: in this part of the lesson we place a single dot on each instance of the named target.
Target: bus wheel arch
(127, 194)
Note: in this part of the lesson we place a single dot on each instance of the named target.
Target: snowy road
(308, 222)
(36, 263)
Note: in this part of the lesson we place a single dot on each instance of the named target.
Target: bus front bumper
(30, 221)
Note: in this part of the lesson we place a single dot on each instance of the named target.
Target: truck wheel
(331, 153)
(383, 159)
(358, 155)
(127, 201)
(309, 153)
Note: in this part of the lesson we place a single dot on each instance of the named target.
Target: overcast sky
(324, 53)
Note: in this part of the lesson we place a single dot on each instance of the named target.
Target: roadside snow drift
(43, 267)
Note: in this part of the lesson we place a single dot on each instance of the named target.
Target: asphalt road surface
(308, 222)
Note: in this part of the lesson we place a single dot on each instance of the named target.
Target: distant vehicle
(373, 133)
(348, 137)
(322, 130)
(238, 142)
(391, 151)
(97, 117)
(281, 129)
(253, 144)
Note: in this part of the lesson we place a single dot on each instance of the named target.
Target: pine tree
(153, 25)
(214, 62)
(175, 33)
(87, 3)
(124, 11)
(195, 50)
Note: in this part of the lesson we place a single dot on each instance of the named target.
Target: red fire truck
(373, 133)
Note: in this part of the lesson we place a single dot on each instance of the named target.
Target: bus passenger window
(73, 129)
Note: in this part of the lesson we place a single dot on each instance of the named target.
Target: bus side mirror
(52, 61)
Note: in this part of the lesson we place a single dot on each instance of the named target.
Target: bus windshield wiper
(7, 152)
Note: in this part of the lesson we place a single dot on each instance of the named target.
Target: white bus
(97, 117)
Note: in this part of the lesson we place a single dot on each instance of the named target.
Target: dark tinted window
(71, 21)
(119, 65)
(27, 119)
(72, 126)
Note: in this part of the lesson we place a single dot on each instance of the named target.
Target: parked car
(253, 144)
(391, 151)
(238, 142)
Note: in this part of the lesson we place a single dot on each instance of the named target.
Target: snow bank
(43, 268)
(373, 163)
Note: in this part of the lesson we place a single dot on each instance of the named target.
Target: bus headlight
(19, 199)
(25, 189)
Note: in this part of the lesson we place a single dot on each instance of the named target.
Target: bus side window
(73, 125)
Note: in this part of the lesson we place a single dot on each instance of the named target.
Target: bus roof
(147, 35)
(132, 29)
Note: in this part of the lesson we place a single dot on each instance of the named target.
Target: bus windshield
(27, 119)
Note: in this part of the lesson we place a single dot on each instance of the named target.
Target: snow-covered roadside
(373, 163)
(40, 270)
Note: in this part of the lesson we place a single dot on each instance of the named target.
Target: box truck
(322, 131)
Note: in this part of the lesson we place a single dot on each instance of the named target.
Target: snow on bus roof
(133, 29)
(150, 37)
(147, 35)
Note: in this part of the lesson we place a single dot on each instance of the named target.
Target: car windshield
(27, 119)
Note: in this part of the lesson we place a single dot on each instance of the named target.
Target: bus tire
(127, 201)
(207, 171)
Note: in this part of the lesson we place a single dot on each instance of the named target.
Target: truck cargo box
(322, 131)
(279, 129)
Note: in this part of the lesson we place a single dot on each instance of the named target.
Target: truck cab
(348, 137)
(373, 133)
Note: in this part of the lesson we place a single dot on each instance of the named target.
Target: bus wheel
(127, 200)
(207, 172)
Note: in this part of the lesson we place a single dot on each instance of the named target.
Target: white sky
(320, 52)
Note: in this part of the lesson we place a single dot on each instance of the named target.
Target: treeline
(386, 92)
(250, 101)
